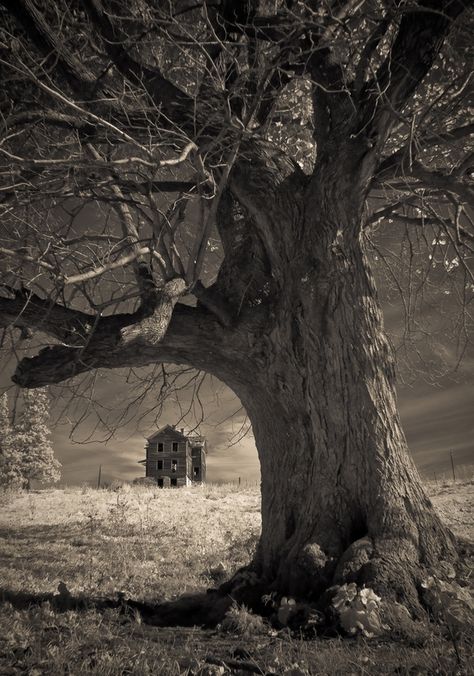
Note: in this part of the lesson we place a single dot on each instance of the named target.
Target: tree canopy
(126, 136)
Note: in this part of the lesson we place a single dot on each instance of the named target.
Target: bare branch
(60, 96)
(28, 258)
(391, 166)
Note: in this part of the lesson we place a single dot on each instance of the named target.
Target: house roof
(169, 430)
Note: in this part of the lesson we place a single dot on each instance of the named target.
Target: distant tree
(206, 186)
(10, 467)
(31, 443)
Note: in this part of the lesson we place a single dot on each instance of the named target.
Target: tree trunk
(334, 460)
(307, 355)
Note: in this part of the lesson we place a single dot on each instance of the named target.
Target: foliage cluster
(358, 610)
(451, 603)
(26, 452)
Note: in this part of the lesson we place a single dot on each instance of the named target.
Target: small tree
(10, 472)
(31, 441)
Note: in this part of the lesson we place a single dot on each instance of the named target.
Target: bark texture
(341, 498)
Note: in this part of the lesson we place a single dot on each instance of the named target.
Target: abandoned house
(175, 459)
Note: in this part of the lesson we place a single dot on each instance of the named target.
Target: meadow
(69, 557)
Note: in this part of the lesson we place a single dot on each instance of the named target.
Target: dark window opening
(196, 471)
(175, 446)
(160, 447)
(174, 465)
(174, 481)
(160, 464)
(160, 483)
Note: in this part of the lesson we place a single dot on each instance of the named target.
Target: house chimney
(182, 430)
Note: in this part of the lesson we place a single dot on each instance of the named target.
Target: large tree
(145, 142)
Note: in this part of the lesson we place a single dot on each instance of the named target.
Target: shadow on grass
(204, 609)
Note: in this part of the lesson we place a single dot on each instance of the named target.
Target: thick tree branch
(419, 39)
(192, 337)
(442, 182)
(87, 339)
(26, 310)
(369, 50)
(421, 222)
(176, 104)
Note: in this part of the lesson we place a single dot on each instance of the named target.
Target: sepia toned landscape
(236, 292)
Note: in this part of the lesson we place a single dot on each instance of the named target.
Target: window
(160, 464)
(174, 465)
(174, 481)
(175, 446)
(160, 483)
(196, 471)
(160, 447)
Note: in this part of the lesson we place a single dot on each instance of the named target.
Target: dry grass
(158, 544)
(149, 544)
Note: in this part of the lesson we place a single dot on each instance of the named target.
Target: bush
(146, 481)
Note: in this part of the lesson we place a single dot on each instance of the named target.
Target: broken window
(160, 483)
(160, 447)
(174, 465)
(160, 464)
(175, 446)
(174, 481)
(196, 471)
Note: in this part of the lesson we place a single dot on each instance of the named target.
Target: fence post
(98, 478)
(452, 465)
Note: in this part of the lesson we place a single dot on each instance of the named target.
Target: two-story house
(175, 459)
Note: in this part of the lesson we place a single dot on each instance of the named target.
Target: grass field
(153, 545)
